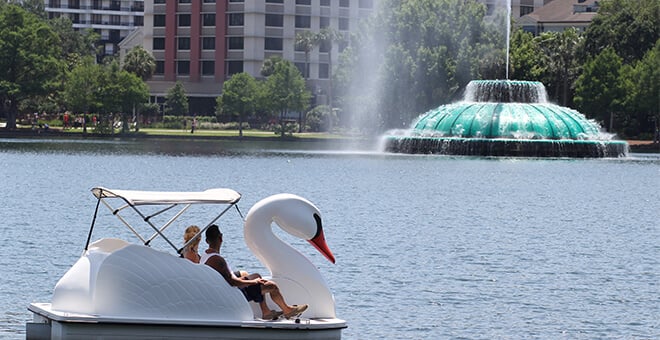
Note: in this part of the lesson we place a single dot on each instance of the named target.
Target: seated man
(253, 286)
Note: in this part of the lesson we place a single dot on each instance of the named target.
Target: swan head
(298, 217)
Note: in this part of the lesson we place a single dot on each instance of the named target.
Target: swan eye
(319, 225)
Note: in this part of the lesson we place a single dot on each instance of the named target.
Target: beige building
(558, 15)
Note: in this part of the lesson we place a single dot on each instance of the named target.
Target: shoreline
(635, 146)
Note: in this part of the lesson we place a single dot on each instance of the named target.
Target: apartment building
(201, 43)
(113, 20)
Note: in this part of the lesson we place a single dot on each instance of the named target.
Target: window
(208, 43)
(274, 1)
(184, 43)
(325, 3)
(209, 1)
(138, 21)
(343, 24)
(184, 20)
(304, 2)
(324, 22)
(366, 3)
(158, 44)
(234, 67)
(208, 67)
(303, 21)
(324, 71)
(235, 19)
(274, 20)
(159, 1)
(235, 43)
(524, 10)
(208, 19)
(325, 46)
(184, 1)
(160, 67)
(183, 67)
(159, 20)
(343, 3)
(273, 44)
(301, 68)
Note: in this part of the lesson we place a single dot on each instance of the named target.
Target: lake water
(426, 246)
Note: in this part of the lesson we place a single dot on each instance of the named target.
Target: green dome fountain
(505, 118)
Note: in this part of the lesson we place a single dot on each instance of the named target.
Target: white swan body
(298, 279)
(115, 279)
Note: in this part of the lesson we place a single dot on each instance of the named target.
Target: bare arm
(220, 265)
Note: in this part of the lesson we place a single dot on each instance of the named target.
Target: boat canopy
(134, 197)
(135, 200)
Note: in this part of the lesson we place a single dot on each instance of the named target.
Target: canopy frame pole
(128, 225)
(146, 219)
(167, 224)
(91, 228)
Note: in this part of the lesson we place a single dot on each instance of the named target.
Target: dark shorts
(253, 293)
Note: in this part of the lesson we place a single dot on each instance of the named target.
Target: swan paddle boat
(119, 290)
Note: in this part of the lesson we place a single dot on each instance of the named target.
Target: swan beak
(319, 243)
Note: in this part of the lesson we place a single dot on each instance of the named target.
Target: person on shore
(254, 287)
(191, 251)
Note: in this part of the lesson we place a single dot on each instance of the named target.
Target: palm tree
(140, 62)
(329, 35)
(306, 41)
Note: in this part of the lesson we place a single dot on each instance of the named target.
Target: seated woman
(191, 251)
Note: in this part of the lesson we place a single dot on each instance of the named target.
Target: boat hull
(50, 324)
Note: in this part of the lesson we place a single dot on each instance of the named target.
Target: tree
(29, 51)
(629, 27)
(121, 91)
(239, 97)
(306, 41)
(286, 89)
(321, 118)
(329, 36)
(560, 50)
(526, 57)
(176, 101)
(269, 65)
(82, 86)
(598, 93)
(139, 62)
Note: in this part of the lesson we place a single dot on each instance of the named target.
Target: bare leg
(262, 305)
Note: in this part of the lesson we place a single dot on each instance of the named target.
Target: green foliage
(526, 57)
(176, 101)
(286, 90)
(629, 27)
(82, 85)
(321, 119)
(139, 62)
(559, 52)
(105, 89)
(239, 96)
(268, 67)
(29, 51)
(598, 93)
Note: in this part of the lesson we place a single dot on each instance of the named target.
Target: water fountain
(505, 118)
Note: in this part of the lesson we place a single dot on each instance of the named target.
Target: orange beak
(319, 243)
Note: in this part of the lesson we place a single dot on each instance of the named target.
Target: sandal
(297, 310)
(273, 315)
